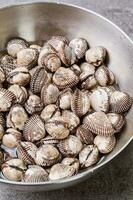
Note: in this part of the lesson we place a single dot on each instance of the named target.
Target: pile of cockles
(60, 109)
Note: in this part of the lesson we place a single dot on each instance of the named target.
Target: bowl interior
(39, 21)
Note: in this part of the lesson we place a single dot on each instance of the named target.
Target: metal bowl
(39, 21)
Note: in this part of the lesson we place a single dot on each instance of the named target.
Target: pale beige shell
(15, 45)
(120, 102)
(6, 99)
(19, 92)
(88, 156)
(56, 41)
(16, 117)
(80, 102)
(34, 129)
(5, 59)
(76, 69)
(71, 146)
(95, 55)
(36, 46)
(47, 155)
(49, 94)
(105, 144)
(117, 121)
(110, 89)
(86, 70)
(11, 138)
(65, 99)
(26, 151)
(89, 83)
(13, 169)
(49, 111)
(98, 123)
(33, 104)
(84, 134)
(2, 75)
(48, 140)
(57, 127)
(99, 100)
(65, 78)
(73, 162)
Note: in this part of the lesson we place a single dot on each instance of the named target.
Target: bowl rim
(84, 174)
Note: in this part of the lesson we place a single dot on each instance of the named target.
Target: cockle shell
(56, 41)
(110, 89)
(19, 76)
(89, 83)
(2, 125)
(117, 121)
(65, 78)
(99, 100)
(48, 140)
(33, 104)
(2, 75)
(16, 117)
(105, 144)
(49, 111)
(76, 69)
(36, 46)
(57, 127)
(86, 70)
(120, 102)
(104, 76)
(6, 99)
(5, 59)
(95, 55)
(1, 158)
(35, 174)
(73, 162)
(13, 169)
(88, 156)
(7, 68)
(11, 138)
(19, 92)
(15, 45)
(47, 155)
(26, 151)
(49, 94)
(34, 129)
(70, 146)
(65, 99)
(84, 134)
(80, 46)
(80, 102)
(39, 78)
(98, 123)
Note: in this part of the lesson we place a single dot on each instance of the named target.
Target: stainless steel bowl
(37, 21)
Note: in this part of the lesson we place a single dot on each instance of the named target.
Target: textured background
(115, 182)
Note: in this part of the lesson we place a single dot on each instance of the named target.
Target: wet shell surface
(117, 121)
(71, 146)
(120, 102)
(47, 155)
(65, 99)
(105, 144)
(5, 59)
(49, 111)
(80, 102)
(6, 99)
(84, 134)
(33, 104)
(26, 151)
(98, 123)
(34, 129)
(2, 75)
(95, 55)
(73, 162)
(35, 174)
(88, 156)
(16, 117)
(65, 78)
(80, 46)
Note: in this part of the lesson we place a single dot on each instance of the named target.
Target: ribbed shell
(89, 83)
(86, 71)
(48, 140)
(2, 120)
(7, 68)
(2, 75)
(84, 134)
(33, 104)
(117, 120)
(6, 99)
(56, 41)
(5, 59)
(65, 78)
(34, 129)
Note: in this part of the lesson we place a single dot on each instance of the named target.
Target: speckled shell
(39, 78)
(11, 138)
(98, 123)
(26, 151)
(47, 155)
(49, 111)
(99, 100)
(80, 46)
(104, 76)
(84, 134)
(105, 144)
(57, 127)
(16, 117)
(71, 146)
(76, 69)
(34, 129)
(19, 76)
(88, 156)
(89, 83)
(20, 93)
(36, 46)
(48, 140)
(56, 41)
(13, 169)
(86, 71)
(65, 78)
(117, 121)
(60, 171)
(33, 104)
(2, 75)
(65, 99)
(6, 99)
(80, 102)
(73, 162)
(95, 55)
(120, 102)
(35, 174)
(49, 94)
(15, 45)
(5, 59)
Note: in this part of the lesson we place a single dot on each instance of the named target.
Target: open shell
(6, 99)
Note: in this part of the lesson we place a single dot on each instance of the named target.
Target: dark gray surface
(115, 181)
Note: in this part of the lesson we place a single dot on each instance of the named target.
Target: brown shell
(2, 75)
(89, 83)
(1, 158)
(6, 99)
(56, 41)
(117, 121)
(33, 104)
(5, 59)
(48, 140)
(34, 129)
(84, 134)
(76, 69)
(7, 68)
